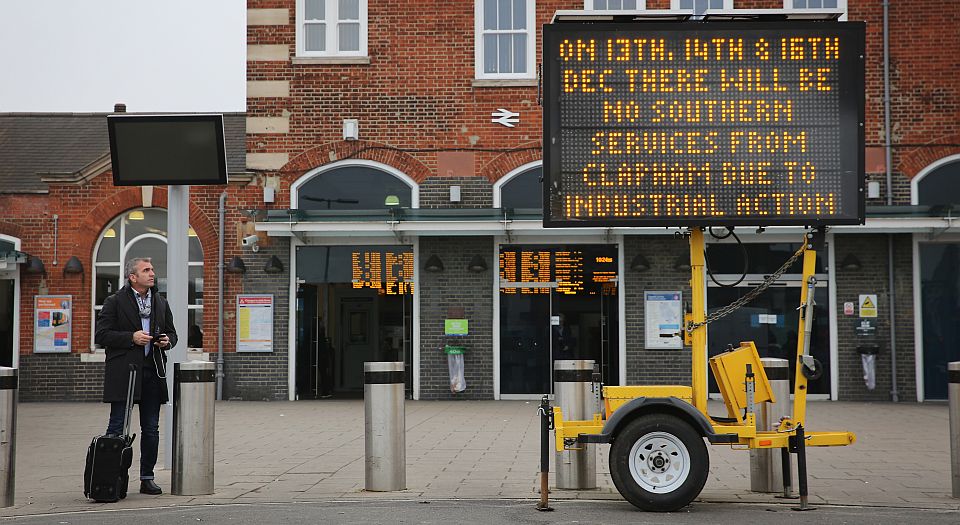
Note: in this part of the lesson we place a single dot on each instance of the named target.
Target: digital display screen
(389, 272)
(581, 269)
(719, 123)
(386, 269)
(167, 150)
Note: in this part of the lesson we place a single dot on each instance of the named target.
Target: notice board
(663, 320)
(53, 319)
(255, 323)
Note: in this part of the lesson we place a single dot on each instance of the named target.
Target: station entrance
(556, 302)
(354, 304)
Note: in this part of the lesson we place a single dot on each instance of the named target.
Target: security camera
(251, 241)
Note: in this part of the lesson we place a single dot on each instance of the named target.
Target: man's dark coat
(118, 320)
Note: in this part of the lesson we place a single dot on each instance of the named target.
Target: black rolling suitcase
(106, 475)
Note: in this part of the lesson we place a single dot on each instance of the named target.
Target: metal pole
(194, 391)
(178, 213)
(888, 157)
(8, 433)
(545, 411)
(953, 371)
(385, 464)
(801, 442)
(222, 211)
(576, 469)
(787, 474)
(766, 473)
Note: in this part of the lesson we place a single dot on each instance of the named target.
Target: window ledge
(504, 82)
(97, 355)
(310, 61)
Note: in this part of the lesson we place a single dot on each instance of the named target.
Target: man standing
(136, 327)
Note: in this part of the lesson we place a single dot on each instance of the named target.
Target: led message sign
(589, 270)
(718, 123)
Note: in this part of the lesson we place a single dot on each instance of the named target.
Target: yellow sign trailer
(658, 459)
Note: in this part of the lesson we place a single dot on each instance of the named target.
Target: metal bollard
(766, 470)
(385, 465)
(953, 392)
(572, 379)
(8, 433)
(194, 392)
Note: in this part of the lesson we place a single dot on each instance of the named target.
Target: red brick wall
(416, 93)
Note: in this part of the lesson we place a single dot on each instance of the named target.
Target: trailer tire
(659, 463)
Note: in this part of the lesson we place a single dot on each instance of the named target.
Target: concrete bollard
(385, 464)
(576, 469)
(953, 392)
(8, 433)
(766, 469)
(194, 393)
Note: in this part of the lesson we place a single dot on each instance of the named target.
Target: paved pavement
(312, 451)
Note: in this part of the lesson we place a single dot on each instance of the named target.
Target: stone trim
(267, 161)
(335, 61)
(268, 125)
(268, 17)
(268, 88)
(268, 53)
(503, 82)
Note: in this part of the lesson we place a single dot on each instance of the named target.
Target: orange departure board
(703, 123)
(390, 273)
(576, 269)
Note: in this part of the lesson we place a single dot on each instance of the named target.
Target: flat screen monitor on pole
(150, 150)
(703, 123)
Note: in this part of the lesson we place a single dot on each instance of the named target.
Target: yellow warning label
(868, 305)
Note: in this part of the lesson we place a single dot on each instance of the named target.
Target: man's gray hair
(131, 266)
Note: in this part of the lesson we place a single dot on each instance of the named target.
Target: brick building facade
(423, 115)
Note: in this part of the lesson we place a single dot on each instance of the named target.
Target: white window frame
(841, 6)
(675, 5)
(531, 44)
(331, 11)
(588, 6)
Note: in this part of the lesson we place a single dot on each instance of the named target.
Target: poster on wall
(662, 319)
(255, 323)
(51, 326)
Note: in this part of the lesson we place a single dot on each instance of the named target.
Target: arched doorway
(354, 302)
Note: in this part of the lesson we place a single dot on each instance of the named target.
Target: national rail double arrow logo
(505, 117)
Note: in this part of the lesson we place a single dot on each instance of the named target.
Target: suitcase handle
(130, 388)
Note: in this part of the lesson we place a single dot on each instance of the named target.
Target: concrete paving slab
(313, 451)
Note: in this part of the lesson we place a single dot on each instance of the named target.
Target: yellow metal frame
(615, 397)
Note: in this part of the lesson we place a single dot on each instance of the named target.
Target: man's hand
(141, 338)
(163, 341)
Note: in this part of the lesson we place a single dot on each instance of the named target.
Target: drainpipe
(894, 394)
(222, 210)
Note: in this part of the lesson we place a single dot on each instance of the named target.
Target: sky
(83, 56)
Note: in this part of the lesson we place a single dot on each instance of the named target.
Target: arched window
(143, 233)
(523, 190)
(354, 187)
(939, 186)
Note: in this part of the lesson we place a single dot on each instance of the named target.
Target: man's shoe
(147, 486)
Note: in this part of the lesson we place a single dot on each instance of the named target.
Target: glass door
(772, 318)
(940, 300)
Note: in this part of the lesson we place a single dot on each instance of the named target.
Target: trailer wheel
(659, 463)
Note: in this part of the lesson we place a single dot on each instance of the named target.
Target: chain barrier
(732, 307)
